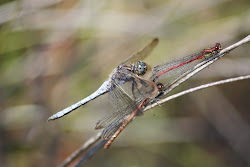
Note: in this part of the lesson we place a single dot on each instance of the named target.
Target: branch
(90, 153)
(183, 77)
(197, 88)
(83, 148)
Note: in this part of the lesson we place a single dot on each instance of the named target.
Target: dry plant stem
(90, 153)
(197, 88)
(83, 148)
(177, 82)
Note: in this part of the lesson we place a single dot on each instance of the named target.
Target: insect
(128, 93)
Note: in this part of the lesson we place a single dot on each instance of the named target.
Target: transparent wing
(112, 128)
(125, 106)
(109, 119)
(175, 67)
(125, 98)
(133, 88)
(143, 53)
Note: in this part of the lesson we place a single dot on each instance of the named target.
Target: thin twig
(196, 89)
(177, 82)
(237, 44)
(83, 148)
(90, 153)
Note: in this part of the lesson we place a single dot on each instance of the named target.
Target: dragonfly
(129, 92)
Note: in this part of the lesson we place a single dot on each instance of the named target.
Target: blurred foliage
(55, 52)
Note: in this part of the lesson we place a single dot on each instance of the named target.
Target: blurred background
(55, 52)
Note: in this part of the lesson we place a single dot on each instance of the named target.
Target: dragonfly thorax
(140, 68)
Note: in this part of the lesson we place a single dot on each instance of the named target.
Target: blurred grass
(53, 53)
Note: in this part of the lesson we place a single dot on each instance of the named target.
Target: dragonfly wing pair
(127, 92)
(125, 98)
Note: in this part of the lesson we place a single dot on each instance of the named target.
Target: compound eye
(159, 86)
(218, 46)
(141, 68)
